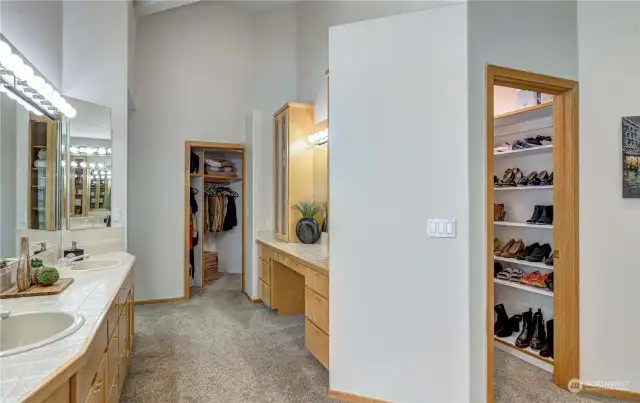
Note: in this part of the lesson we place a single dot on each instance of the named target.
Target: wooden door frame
(565, 231)
(224, 147)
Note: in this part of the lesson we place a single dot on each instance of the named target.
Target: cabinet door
(284, 174)
(276, 174)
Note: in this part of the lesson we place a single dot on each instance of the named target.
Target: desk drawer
(317, 282)
(317, 342)
(316, 309)
(293, 265)
(264, 271)
(265, 293)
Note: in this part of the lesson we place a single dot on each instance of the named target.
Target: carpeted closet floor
(220, 348)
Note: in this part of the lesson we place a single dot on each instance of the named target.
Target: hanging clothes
(230, 219)
(220, 208)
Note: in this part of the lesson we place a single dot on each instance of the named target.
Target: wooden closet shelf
(522, 115)
(222, 177)
(38, 147)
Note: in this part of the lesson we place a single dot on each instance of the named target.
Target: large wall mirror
(88, 166)
(30, 171)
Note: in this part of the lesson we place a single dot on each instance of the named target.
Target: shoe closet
(214, 212)
(532, 252)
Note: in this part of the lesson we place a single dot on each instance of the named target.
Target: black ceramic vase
(308, 230)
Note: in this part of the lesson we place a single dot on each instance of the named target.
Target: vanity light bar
(28, 85)
(319, 138)
(90, 150)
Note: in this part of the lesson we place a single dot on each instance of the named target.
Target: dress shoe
(549, 261)
(514, 249)
(503, 318)
(527, 251)
(547, 216)
(549, 281)
(539, 335)
(539, 254)
(547, 350)
(505, 247)
(524, 339)
(537, 213)
(512, 325)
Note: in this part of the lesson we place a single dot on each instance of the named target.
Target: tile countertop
(316, 255)
(90, 295)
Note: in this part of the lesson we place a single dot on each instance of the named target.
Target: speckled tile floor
(220, 348)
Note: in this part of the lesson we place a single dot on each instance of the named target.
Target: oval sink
(95, 264)
(20, 332)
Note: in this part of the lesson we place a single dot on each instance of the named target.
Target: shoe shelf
(511, 342)
(539, 265)
(522, 115)
(520, 286)
(522, 224)
(524, 188)
(526, 151)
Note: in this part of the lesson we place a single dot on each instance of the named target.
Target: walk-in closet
(532, 221)
(214, 209)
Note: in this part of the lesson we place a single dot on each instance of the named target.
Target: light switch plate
(441, 227)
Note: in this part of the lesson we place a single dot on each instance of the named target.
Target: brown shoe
(505, 248)
(498, 212)
(514, 249)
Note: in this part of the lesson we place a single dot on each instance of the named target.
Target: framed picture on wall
(631, 157)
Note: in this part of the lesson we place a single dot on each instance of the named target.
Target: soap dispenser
(74, 251)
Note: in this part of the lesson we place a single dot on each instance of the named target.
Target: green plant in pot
(308, 229)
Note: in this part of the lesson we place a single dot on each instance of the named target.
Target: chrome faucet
(43, 247)
(76, 258)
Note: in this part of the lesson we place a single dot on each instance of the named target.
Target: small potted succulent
(308, 229)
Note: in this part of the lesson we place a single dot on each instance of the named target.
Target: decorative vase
(24, 266)
(308, 230)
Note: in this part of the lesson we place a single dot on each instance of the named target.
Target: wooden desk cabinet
(289, 286)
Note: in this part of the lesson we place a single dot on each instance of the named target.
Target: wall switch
(441, 227)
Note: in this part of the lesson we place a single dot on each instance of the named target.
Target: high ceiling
(147, 7)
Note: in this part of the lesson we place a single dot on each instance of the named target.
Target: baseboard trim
(159, 301)
(351, 398)
(253, 301)
(617, 393)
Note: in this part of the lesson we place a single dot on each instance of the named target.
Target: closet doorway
(532, 221)
(214, 213)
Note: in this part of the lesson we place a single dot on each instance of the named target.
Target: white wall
(35, 29)
(313, 20)
(608, 38)
(398, 121)
(192, 69)
(8, 177)
(544, 40)
(95, 70)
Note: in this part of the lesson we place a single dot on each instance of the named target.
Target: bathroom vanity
(90, 364)
(294, 279)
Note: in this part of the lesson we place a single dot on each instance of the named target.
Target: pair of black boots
(541, 215)
(533, 333)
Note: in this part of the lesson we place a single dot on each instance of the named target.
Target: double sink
(20, 332)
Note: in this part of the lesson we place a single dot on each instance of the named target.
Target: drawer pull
(318, 332)
(98, 387)
(318, 299)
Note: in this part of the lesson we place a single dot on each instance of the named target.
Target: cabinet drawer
(86, 375)
(113, 359)
(317, 342)
(316, 309)
(122, 369)
(113, 394)
(265, 293)
(264, 253)
(264, 271)
(112, 317)
(317, 282)
(122, 331)
(293, 265)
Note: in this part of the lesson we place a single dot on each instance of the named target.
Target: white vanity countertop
(90, 295)
(316, 254)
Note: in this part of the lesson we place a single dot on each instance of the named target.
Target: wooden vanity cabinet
(293, 166)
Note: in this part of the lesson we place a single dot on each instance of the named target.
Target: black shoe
(539, 335)
(539, 254)
(512, 325)
(547, 350)
(547, 215)
(503, 318)
(497, 268)
(549, 261)
(522, 255)
(537, 213)
(549, 281)
(524, 338)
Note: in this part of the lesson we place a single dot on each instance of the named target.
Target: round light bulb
(92, 165)
(94, 172)
(82, 150)
(74, 164)
(90, 150)
(109, 150)
(14, 63)
(37, 83)
(102, 151)
(73, 149)
(72, 113)
(25, 73)
(100, 165)
(47, 90)
(102, 172)
(83, 164)
(64, 163)
(108, 172)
